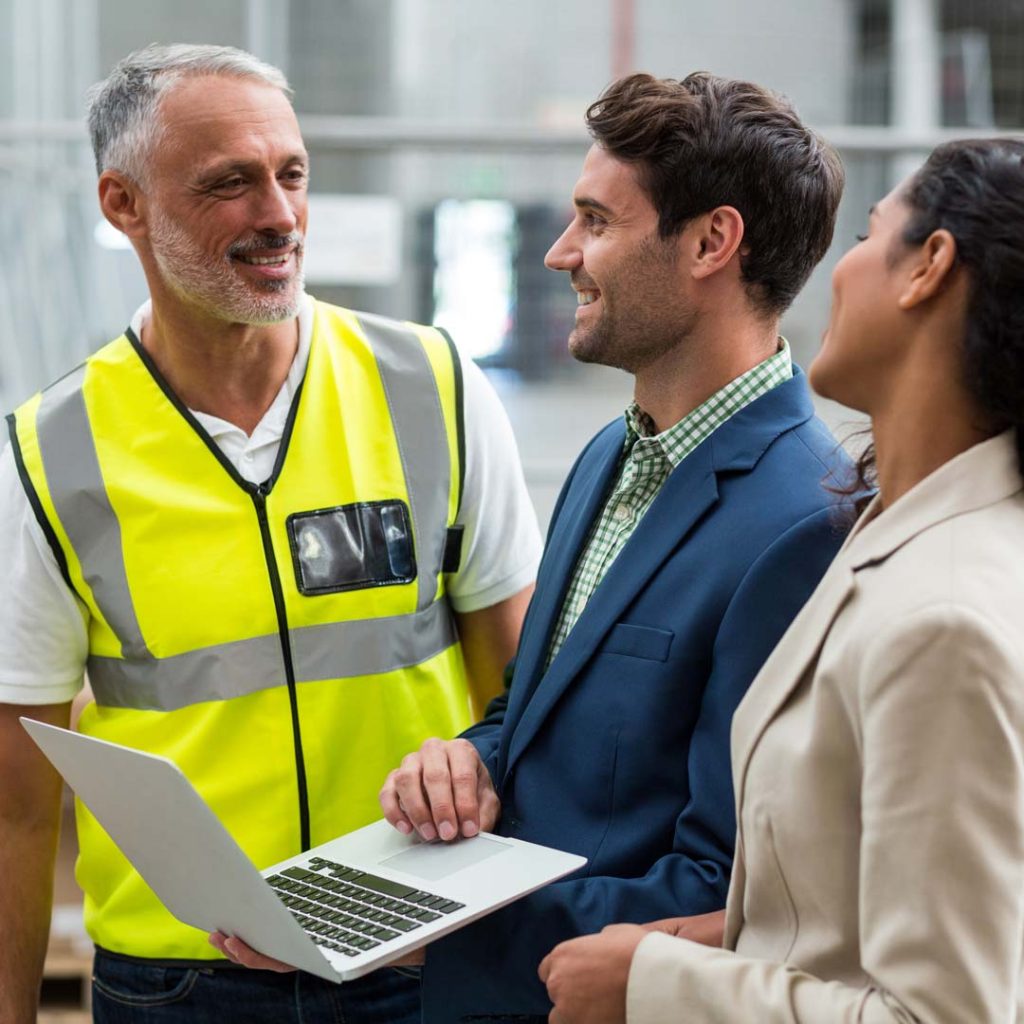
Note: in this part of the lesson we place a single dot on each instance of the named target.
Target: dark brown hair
(705, 142)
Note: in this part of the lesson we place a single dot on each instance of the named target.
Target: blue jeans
(136, 992)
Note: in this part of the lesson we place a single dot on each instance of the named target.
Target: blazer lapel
(779, 676)
(981, 476)
(687, 494)
(734, 901)
(582, 505)
(978, 477)
(787, 664)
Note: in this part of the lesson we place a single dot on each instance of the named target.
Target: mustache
(261, 243)
(581, 282)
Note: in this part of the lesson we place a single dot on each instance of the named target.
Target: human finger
(240, 953)
(544, 968)
(391, 805)
(465, 766)
(415, 958)
(487, 800)
(409, 786)
(706, 929)
(438, 786)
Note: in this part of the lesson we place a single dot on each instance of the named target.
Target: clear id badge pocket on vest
(367, 544)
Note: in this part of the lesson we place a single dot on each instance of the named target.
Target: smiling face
(632, 305)
(226, 200)
(862, 345)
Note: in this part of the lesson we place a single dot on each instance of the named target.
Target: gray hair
(123, 109)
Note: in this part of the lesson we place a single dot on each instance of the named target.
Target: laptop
(337, 911)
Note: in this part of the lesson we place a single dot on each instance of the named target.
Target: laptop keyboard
(351, 911)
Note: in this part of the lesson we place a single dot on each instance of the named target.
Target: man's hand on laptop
(238, 952)
(443, 790)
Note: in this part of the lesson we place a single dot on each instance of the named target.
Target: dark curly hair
(974, 189)
(706, 141)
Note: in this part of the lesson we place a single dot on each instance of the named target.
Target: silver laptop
(338, 911)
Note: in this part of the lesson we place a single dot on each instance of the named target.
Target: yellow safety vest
(284, 704)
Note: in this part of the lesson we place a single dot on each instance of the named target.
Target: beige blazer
(878, 764)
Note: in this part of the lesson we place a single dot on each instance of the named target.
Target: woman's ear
(930, 269)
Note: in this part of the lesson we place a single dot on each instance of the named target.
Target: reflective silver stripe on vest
(76, 486)
(342, 650)
(415, 407)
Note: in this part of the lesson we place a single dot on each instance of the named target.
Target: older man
(176, 517)
(687, 537)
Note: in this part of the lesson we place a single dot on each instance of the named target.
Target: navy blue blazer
(620, 750)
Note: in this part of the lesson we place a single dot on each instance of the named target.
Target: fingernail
(404, 827)
(447, 830)
(470, 828)
(428, 833)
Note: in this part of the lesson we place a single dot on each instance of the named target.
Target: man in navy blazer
(684, 541)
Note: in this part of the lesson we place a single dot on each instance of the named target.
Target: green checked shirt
(647, 461)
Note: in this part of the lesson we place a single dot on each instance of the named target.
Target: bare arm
(30, 792)
(489, 639)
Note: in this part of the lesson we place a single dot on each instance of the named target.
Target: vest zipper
(259, 497)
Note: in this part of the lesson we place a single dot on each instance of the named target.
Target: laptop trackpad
(438, 860)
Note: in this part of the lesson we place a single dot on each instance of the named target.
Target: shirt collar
(677, 441)
(272, 424)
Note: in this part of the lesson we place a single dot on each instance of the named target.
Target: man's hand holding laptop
(340, 909)
(238, 952)
(442, 791)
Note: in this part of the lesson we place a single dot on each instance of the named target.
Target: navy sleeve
(485, 735)
(693, 878)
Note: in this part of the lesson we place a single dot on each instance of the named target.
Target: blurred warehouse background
(446, 136)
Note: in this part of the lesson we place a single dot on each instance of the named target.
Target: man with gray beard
(287, 541)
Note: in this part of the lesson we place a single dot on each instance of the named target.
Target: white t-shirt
(43, 638)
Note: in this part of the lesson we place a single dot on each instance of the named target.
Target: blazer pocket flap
(639, 641)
